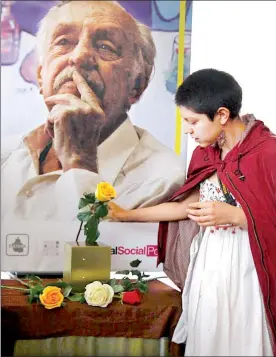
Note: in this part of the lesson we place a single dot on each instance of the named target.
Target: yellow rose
(105, 192)
(98, 294)
(51, 297)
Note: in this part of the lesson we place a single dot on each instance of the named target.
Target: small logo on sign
(17, 244)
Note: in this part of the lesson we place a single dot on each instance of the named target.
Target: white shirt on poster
(143, 171)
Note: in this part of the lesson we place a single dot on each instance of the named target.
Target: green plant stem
(77, 238)
(19, 280)
(14, 288)
(145, 281)
(152, 279)
(117, 296)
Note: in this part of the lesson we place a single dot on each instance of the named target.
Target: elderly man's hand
(75, 125)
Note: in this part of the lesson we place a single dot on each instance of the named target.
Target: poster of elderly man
(87, 96)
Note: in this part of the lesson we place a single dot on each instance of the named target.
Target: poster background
(23, 109)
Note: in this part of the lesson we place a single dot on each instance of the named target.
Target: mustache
(67, 75)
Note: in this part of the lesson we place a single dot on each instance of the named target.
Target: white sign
(39, 247)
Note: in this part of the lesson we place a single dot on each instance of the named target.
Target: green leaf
(59, 284)
(84, 216)
(124, 272)
(101, 211)
(142, 287)
(137, 272)
(135, 263)
(118, 288)
(91, 230)
(145, 275)
(31, 297)
(67, 290)
(112, 282)
(33, 278)
(37, 290)
(127, 284)
(92, 222)
(82, 299)
(83, 203)
(76, 297)
(90, 197)
(98, 234)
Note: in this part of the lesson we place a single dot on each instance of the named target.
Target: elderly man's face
(98, 39)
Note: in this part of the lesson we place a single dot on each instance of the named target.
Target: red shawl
(249, 172)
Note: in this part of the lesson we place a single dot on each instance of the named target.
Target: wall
(239, 37)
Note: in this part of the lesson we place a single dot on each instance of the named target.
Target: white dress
(223, 312)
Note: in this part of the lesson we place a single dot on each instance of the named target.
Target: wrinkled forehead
(79, 13)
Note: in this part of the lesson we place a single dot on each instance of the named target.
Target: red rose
(132, 297)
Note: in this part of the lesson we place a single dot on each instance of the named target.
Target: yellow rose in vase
(51, 297)
(94, 207)
(105, 192)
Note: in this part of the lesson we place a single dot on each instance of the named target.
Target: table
(154, 319)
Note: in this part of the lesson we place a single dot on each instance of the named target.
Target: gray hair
(144, 58)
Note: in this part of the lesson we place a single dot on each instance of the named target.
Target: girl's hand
(117, 213)
(214, 213)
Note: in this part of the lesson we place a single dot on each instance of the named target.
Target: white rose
(98, 294)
